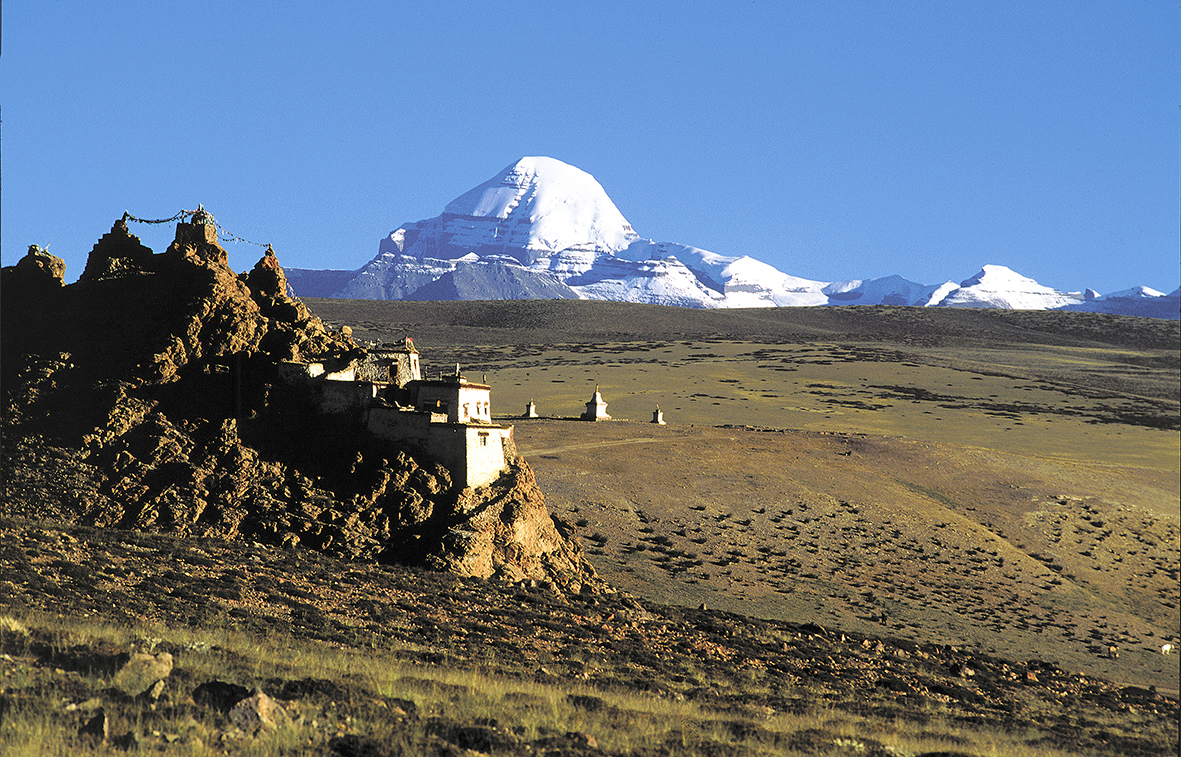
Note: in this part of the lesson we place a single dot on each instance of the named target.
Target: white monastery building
(393, 407)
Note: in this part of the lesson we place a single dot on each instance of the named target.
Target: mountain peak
(996, 286)
(543, 205)
(999, 276)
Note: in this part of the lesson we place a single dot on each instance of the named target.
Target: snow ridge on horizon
(557, 225)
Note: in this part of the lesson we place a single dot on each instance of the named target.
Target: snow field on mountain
(554, 220)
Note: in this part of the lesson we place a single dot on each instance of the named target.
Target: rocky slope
(144, 397)
(386, 660)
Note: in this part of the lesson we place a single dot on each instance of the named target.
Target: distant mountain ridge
(543, 229)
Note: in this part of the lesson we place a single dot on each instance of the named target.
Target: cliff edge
(145, 396)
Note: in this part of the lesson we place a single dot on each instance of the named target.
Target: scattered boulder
(480, 738)
(97, 729)
(220, 695)
(142, 673)
(258, 712)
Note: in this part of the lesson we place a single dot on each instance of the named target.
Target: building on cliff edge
(386, 399)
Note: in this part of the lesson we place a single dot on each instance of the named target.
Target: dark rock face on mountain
(492, 281)
(144, 397)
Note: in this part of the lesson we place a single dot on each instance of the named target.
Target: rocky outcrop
(145, 397)
(505, 531)
(37, 272)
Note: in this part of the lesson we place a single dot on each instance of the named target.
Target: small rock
(583, 739)
(220, 695)
(97, 728)
(257, 712)
(153, 694)
(127, 741)
(142, 672)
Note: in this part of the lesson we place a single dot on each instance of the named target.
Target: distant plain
(999, 480)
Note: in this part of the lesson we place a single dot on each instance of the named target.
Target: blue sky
(834, 141)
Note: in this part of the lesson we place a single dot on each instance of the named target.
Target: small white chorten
(596, 409)
(658, 416)
(531, 409)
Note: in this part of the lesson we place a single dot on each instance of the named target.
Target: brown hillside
(145, 396)
(1002, 479)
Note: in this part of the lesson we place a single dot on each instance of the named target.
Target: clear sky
(832, 140)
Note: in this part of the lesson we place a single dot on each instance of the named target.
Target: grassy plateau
(862, 531)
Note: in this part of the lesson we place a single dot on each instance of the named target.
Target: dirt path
(593, 445)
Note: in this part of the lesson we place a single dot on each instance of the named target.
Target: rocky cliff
(144, 397)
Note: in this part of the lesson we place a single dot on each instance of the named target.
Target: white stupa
(596, 409)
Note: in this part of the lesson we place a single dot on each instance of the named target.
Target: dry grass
(979, 449)
(954, 482)
(446, 706)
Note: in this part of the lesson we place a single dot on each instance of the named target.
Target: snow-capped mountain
(533, 208)
(999, 287)
(543, 229)
(1142, 301)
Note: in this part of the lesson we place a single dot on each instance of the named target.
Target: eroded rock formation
(144, 397)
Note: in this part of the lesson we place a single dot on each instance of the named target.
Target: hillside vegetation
(883, 531)
(1007, 480)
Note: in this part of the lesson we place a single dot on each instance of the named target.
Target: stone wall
(389, 425)
(346, 397)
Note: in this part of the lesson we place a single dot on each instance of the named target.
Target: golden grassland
(406, 707)
(995, 482)
(1009, 480)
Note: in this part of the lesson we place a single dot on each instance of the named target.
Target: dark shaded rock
(220, 695)
(37, 271)
(480, 738)
(586, 702)
(97, 728)
(119, 253)
(352, 745)
(127, 742)
(493, 281)
(896, 685)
